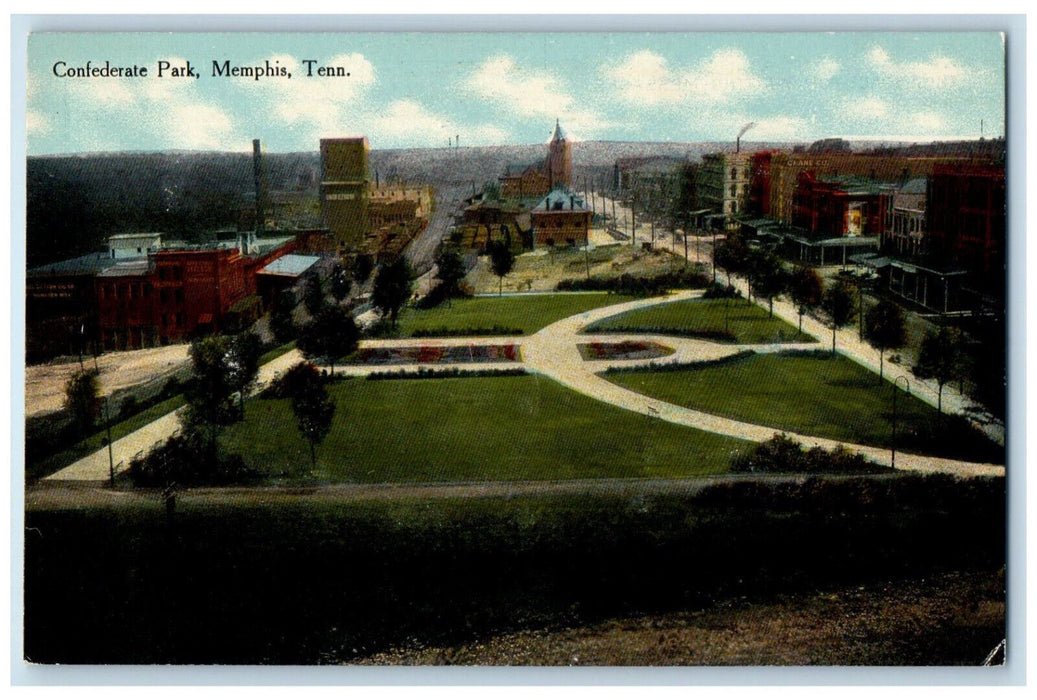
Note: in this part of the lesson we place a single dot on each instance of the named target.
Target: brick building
(785, 169)
(561, 218)
(723, 183)
(837, 206)
(903, 218)
(965, 220)
(538, 179)
(112, 301)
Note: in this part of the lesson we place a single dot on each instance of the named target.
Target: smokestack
(738, 139)
(257, 176)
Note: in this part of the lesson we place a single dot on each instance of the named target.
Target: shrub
(464, 332)
(185, 461)
(782, 454)
(638, 285)
(446, 373)
(715, 290)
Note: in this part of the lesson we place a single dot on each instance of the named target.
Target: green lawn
(813, 394)
(722, 319)
(96, 441)
(527, 314)
(487, 428)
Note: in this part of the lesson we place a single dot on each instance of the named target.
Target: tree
(731, 255)
(245, 350)
(502, 260)
(392, 288)
(363, 266)
(82, 400)
(884, 328)
(941, 358)
(767, 276)
(313, 295)
(311, 405)
(281, 323)
(805, 288)
(331, 335)
(208, 392)
(450, 271)
(340, 283)
(840, 305)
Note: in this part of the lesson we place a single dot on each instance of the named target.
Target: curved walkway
(553, 352)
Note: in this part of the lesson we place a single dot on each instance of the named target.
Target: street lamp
(907, 389)
(108, 430)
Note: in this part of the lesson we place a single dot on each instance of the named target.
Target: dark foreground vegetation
(291, 578)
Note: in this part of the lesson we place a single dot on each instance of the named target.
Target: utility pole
(108, 430)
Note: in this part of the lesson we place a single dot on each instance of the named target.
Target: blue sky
(420, 90)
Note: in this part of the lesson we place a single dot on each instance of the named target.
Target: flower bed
(626, 350)
(431, 355)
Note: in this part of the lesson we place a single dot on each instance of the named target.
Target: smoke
(745, 128)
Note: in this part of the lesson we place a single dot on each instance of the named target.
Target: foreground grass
(295, 577)
(812, 394)
(81, 449)
(721, 319)
(478, 429)
(526, 314)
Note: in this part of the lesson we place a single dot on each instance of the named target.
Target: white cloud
(326, 106)
(779, 128)
(927, 121)
(825, 69)
(533, 94)
(169, 108)
(197, 125)
(937, 72)
(407, 122)
(866, 107)
(646, 78)
(35, 123)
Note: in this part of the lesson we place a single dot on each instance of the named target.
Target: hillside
(74, 202)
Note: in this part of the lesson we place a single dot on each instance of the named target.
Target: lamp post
(108, 431)
(907, 389)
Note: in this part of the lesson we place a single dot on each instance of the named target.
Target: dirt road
(45, 384)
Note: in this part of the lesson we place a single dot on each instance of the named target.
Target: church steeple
(559, 165)
(559, 134)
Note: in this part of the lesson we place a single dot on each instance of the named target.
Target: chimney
(257, 176)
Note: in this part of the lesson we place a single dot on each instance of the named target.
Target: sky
(426, 89)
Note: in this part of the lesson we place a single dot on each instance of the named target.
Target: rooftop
(89, 264)
(561, 200)
(127, 268)
(291, 265)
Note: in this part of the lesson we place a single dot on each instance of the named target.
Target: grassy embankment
(722, 320)
(60, 460)
(478, 428)
(813, 394)
(288, 578)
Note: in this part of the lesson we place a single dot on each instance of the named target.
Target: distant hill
(74, 202)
